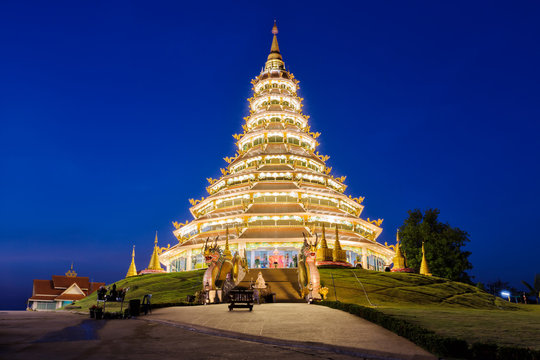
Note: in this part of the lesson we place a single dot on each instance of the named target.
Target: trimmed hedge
(432, 342)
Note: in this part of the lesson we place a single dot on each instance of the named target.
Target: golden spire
(339, 254)
(323, 252)
(399, 259)
(424, 269)
(71, 272)
(337, 244)
(227, 253)
(274, 50)
(132, 271)
(154, 260)
(274, 60)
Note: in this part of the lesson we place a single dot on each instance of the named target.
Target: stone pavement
(297, 325)
(60, 335)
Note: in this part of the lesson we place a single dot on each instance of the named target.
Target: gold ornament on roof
(229, 159)
(194, 202)
(358, 200)
(71, 272)
(377, 222)
(177, 225)
(162, 249)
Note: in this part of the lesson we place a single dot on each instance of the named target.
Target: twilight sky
(112, 115)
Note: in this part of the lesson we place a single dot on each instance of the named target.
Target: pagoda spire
(338, 254)
(399, 259)
(227, 253)
(154, 260)
(274, 60)
(323, 252)
(424, 269)
(132, 271)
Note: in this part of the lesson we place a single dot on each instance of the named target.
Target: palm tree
(533, 290)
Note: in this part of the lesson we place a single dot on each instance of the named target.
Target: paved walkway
(298, 325)
(63, 336)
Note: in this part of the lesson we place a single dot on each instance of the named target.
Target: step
(282, 282)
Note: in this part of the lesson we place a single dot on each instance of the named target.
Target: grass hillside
(165, 288)
(384, 288)
(446, 307)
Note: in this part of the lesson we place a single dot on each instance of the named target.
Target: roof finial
(71, 272)
(274, 61)
(274, 28)
(155, 241)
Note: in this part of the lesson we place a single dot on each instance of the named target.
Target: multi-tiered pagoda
(276, 187)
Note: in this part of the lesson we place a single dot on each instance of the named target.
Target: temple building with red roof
(60, 291)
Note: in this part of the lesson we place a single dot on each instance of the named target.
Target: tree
(443, 245)
(533, 290)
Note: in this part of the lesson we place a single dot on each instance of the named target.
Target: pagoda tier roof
(289, 185)
(273, 208)
(278, 149)
(272, 167)
(274, 75)
(275, 126)
(274, 233)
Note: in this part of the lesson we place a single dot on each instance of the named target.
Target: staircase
(282, 282)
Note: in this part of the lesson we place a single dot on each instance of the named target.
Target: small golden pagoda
(132, 271)
(154, 266)
(400, 261)
(323, 252)
(424, 269)
(227, 252)
(338, 254)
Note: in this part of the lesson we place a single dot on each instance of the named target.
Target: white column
(188, 263)
(364, 258)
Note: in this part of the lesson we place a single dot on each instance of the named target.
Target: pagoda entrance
(272, 258)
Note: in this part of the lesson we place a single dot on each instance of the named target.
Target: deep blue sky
(114, 114)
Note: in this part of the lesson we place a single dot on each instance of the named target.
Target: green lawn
(165, 288)
(446, 307)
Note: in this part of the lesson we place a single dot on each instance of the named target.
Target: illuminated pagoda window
(276, 187)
